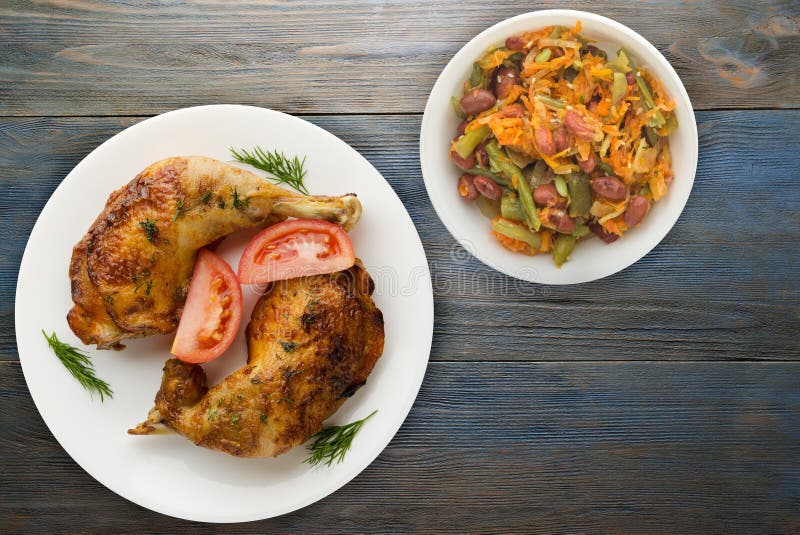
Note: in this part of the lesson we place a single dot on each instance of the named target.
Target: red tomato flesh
(212, 313)
(295, 248)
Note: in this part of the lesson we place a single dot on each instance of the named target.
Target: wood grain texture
(723, 285)
(75, 57)
(501, 447)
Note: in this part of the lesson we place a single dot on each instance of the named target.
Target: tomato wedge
(295, 248)
(212, 313)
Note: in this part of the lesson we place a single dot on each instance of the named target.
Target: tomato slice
(212, 313)
(295, 248)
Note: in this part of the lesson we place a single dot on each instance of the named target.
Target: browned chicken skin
(131, 270)
(312, 342)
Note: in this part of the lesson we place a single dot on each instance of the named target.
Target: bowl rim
(485, 36)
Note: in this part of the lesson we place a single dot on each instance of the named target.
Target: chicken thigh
(312, 342)
(131, 271)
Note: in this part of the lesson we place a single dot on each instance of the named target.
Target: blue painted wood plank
(723, 285)
(347, 56)
(642, 447)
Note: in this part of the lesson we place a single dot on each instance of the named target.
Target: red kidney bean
(504, 79)
(466, 187)
(601, 233)
(514, 110)
(630, 78)
(547, 195)
(476, 101)
(588, 165)
(638, 207)
(559, 220)
(516, 43)
(578, 126)
(561, 138)
(487, 187)
(481, 157)
(462, 127)
(544, 140)
(609, 188)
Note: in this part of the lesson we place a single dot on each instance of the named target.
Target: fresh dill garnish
(332, 443)
(284, 170)
(235, 420)
(150, 229)
(288, 373)
(140, 279)
(288, 346)
(263, 418)
(307, 320)
(79, 365)
(238, 202)
(205, 197)
(179, 206)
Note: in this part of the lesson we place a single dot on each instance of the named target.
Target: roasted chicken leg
(312, 342)
(131, 270)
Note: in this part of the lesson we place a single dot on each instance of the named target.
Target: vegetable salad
(559, 143)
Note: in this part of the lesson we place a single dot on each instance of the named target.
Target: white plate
(167, 473)
(591, 259)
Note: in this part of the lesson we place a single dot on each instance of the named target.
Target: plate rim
(323, 491)
(534, 276)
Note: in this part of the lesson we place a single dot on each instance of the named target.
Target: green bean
(562, 248)
(580, 193)
(550, 101)
(651, 136)
(607, 169)
(561, 186)
(618, 88)
(557, 31)
(657, 120)
(489, 208)
(514, 60)
(467, 143)
(498, 158)
(543, 56)
(457, 107)
(476, 78)
(516, 232)
(671, 123)
(577, 64)
(510, 207)
(580, 231)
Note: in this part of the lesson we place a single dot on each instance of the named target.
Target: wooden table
(663, 399)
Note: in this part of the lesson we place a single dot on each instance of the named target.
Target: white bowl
(591, 259)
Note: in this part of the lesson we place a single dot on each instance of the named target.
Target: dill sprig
(284, 170)
(150, 229)
(79, 365)
(332, 443)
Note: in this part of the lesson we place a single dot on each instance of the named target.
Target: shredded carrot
(547, 240)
